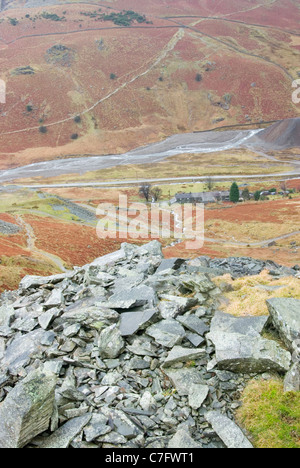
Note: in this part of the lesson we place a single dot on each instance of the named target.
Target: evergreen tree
(257, 195)
(234, 193)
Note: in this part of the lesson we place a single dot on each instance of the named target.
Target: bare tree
(210, 183)
(156, 193)
(145, 191)
(283, 187)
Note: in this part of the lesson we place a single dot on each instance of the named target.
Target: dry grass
(247, 297)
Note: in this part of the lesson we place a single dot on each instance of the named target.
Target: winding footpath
(31, 239)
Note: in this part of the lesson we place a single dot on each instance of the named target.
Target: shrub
(112, 76)
(13, 21)
(43, 129)
(77, 119)
(29, 108)
(198, 77)
(74, 136)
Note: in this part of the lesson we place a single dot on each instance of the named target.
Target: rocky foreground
(131, 351)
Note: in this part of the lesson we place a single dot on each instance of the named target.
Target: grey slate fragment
(227, 430)
(250, 326)
(62, 437)
(110, 342)
(167, 333)
(197, 395)
(180, 354)
(135, 297)
(131, 322)
(96, 427)
(56, 299)
(194, 324)
(183, 440)
(183, 378)
(170, 263)
(292, 379)
(240, 348)
(19, 352)
(285, 315)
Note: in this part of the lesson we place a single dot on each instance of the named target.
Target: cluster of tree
(13, 21)
(52, 16)
(125, 18)
(258, 195)
(150, 193)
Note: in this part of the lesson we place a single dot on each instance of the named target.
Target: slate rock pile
(8, 228)
(131, 351)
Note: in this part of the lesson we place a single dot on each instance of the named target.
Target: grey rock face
(227, 430)
(285, 315)
(27, 410)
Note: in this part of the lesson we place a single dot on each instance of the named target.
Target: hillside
(86, 79)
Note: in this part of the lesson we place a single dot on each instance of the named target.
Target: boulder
(27, 409)
(240, 348)
(285, 315)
